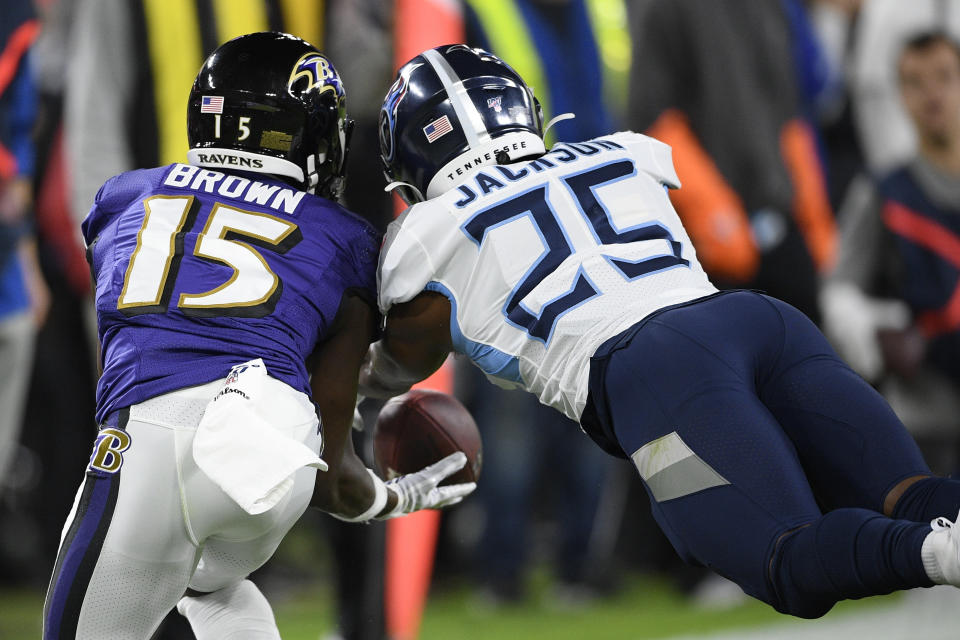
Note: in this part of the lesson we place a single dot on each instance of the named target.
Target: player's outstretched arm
(345, 489)
(416, 341)
(348, 489)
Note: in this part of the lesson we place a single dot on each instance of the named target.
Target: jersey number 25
(535, 204)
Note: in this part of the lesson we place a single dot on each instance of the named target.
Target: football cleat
(941, 552)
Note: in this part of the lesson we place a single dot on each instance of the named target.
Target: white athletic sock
(238, 612)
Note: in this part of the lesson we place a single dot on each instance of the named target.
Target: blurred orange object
(411, 543)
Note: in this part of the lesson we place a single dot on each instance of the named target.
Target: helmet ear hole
(320, 119)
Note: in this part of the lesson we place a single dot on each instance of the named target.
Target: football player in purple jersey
(217, 282)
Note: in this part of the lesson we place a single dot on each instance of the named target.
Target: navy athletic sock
(929, 498)
(846, 554)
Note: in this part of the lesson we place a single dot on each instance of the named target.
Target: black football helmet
(452, 108)
(271, 103)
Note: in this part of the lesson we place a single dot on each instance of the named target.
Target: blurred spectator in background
(571, 52)
(883, 26)
(24, 298)
(833, 23)
(718, 81)
(57, 422)
(891, 304)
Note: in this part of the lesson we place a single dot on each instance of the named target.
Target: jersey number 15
(227, 238)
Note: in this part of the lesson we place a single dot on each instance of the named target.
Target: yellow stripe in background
(507, 33)
(175, 56)
(304, 19)
(237, 17)
(609, 20)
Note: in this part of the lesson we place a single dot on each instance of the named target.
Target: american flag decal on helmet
(211, 104)
(437, 129)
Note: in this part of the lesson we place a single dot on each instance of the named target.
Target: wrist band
(379, 501)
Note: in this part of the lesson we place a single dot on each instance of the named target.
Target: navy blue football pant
(765, 457)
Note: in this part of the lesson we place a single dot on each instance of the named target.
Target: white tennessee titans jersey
(543, 260)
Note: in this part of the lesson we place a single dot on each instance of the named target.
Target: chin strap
(555, 119)
(312, 179)
(394, 185)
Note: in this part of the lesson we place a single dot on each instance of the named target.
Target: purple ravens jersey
(198, 270)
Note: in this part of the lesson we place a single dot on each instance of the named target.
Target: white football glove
(419, 490)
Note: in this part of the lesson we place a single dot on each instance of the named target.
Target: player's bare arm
(349, 490)
(416, 341)
(346, 488)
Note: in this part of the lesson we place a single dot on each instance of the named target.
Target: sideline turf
(645, 608)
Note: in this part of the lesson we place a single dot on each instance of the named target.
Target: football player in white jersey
(566, 272)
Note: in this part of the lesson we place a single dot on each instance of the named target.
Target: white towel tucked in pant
(255, 433)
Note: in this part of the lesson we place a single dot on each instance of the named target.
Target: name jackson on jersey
(564, 152)
(187, 176)
(545, 259)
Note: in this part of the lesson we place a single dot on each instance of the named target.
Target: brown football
(421, 427)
